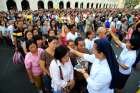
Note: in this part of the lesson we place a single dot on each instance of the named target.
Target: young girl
(32, 64)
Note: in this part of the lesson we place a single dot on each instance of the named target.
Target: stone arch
(40, 4)
(11, 4)
(81, 5)
(68, 4)
(97, 5)
(76, 4)
(50, 4)
(87, 5)
(92, 5)
(106, 5)
(100, 6)
(25, 5)
(61, 5)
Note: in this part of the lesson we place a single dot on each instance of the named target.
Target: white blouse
(127, 57)
(67, 71)
(3, 29)
(100, 75)
(71, 36)
(89, 43)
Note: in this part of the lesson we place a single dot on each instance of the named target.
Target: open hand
(82, 70)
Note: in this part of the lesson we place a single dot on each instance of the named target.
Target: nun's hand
(71, 50)
(82, 70)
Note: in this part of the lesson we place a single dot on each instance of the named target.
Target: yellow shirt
(138, 91)
(29, 17)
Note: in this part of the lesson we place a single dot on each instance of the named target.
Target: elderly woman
(61, 71)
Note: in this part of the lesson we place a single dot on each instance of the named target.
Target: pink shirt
(129, 34)
(32, 62)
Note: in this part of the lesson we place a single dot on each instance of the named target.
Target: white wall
(3, 6)
(33, 3)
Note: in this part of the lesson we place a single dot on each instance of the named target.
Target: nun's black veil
(103, 45)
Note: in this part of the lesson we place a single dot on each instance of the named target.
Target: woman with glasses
(61, 71)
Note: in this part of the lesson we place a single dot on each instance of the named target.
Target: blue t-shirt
(107, 24)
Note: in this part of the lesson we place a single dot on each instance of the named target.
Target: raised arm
(76, 52)
(87, 57)
(115, 38)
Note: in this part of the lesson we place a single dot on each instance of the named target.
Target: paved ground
(13, 78)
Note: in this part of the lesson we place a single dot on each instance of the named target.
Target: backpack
(18, 58)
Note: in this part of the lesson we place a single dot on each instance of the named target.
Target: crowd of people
(72, 50)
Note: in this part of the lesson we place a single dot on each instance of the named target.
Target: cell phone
(77, 67)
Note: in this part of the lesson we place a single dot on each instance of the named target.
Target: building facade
(131, 3)
(57, 4)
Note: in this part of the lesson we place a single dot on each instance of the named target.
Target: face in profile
(65, 58)
(71, 45)
(81, 45)
(98, 54)
(128, 44)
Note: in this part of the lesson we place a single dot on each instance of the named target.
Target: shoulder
(69, 33)
(123, 45)
(40, 50)
(28, 55)
(53, 64)
(16, 30)
(132, 54)
(87, 42)
(69, 62)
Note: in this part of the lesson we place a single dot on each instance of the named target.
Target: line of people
(52, 43)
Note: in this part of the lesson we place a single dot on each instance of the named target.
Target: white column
(94, 5)
(18, 3)
(33, 4)
(3, 6)
(102, 5)
(72, 4)
(84, 4)
(89, 5)
(65, 4)
(45, 4)
(56, 3)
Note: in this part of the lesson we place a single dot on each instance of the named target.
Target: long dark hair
(55, 26)
(26, 34)
(135, 42)
(28, 43)
(104, 46)
(60, 52)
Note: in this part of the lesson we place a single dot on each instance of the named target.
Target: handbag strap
(60, 71)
